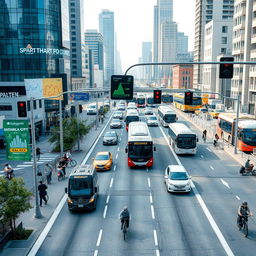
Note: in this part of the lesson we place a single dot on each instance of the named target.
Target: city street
(202, 222)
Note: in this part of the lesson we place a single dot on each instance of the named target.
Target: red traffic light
(21, 104)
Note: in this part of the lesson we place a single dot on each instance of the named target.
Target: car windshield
(152, 118)
(101, 157)
(178, 175)
(115, 121)
(93, 106)
(110, 134)
(80, 187)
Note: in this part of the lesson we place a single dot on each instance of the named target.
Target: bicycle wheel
(124, 229)
(73, 163)
(245, 229)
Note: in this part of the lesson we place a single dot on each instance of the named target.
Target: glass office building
(34, 39)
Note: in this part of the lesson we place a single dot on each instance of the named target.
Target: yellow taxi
(103, 161)
(200, 111)
(215, 113)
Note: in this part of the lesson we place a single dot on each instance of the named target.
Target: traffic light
(188, 98)
(157, 96)
(22, 108)
(226, 70)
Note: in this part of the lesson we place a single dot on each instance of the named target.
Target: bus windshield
(249, 137)
(140, 151)
(169, 118)
(186, 141)
(80, 187)
(197, 101)
(131, 119)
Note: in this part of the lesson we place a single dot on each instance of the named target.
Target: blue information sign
(79, 96)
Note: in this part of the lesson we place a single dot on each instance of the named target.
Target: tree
(14, 200)
(70, 133)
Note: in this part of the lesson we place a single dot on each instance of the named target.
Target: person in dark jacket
(42, 192)
(124, 216)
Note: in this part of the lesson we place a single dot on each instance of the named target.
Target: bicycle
(243, 225)
(124, 228)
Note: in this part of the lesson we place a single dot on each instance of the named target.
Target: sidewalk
(201, 124)
(55, 192)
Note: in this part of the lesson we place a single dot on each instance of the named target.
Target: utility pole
(236, 124)
(77, 118)
(38, 214)
(61, 129)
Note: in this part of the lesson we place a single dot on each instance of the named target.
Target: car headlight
(108, 164)
(70, 201)
(91, 199)
(170, 183)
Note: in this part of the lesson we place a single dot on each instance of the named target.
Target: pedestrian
(48, 171)
(102, 118)
(204, 135)
(38, 153)
(42, 193)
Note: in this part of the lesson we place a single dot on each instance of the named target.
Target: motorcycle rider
(243, 210)
(124, 216)
(8, 171)
(248, 165)
(62, 165)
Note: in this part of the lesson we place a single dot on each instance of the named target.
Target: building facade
(182, 77)
(106, 28)
(205, 11)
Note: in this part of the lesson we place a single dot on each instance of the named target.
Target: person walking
(48, 171)
(38, 153)
(42, 192)
(204, 135)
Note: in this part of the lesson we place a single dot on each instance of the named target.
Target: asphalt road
(202, 222)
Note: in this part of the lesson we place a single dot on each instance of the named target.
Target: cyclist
(124, 216)
(204, 135)
(248, 165)
(8, 171)
(216, 138)
(243, 211)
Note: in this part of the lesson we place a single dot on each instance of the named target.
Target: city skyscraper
(106, 28)
(155, 42)
(147, 58)
(207, 10)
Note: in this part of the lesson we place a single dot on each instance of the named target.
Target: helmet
(6, 164)
(245, 203)
(125, 208)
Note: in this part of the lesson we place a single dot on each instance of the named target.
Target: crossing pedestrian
(48, 172)
(38, 153)
(42, 193)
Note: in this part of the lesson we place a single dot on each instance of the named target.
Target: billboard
(17, 139)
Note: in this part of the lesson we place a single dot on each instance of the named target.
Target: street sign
(17, 139)
(121, 87)
(84, 96)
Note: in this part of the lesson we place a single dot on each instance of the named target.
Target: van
(82, 188)
(92, 109)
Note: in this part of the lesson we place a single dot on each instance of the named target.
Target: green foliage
(70, 133)
(14, 200)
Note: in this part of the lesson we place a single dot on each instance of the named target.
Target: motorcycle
(10, 175)
(245, 171)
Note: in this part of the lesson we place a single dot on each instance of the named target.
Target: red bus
(141, 100)
(246, 130)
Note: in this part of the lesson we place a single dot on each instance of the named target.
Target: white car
(177, 179)
(118, 115)
(152, 121)
(92, 109)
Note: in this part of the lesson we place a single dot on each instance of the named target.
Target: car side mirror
(126, 150)
(165, 176)
(196, 139)
(66, 190)
(95, 189)
(154, 148)
(190, 177)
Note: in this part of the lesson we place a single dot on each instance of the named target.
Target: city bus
(246, 137)
(132, 115)
(141, 100)
(150, 100)
(179, 102)
(182, 139)
(166, 115)
(167, 98)
(140, 145)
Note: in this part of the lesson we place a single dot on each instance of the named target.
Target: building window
(74, 61)
(73, 15)
(224, 29)
(73, 55)
(73, 33)
(72, 4)
(73, 38)
(73, 21)
(40, 103)
(223, 50)
(73, 44)
(224, 40)
(34, 104)
(73, 27)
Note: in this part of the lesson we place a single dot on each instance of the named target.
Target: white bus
(166, 115)
(132, 115)
(182, 139)
(140, 145)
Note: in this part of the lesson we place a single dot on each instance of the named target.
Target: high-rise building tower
(146, 58)
(207, 10)
(155, 43)
(106, 28)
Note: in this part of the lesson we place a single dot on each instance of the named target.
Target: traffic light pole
(77, 118)
(37, 208)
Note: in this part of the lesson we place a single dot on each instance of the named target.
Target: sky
(134, 23)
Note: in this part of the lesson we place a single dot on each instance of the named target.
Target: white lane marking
(48, 227)
(16, 169)
(211, 167)
(118, 149)
(203, 206)
(23, 165)
(157, 253)
(95, 253)
(202, 156)
(238, 198)
(155, 237)
(152, 212)
(149, 183)
(225, 183)
(208, 149)
(116, 155)
(111, 182)
(114, 168)
(99, 238)
(105, 212)
(150, 198)
(107, 199)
